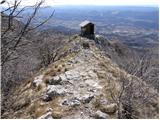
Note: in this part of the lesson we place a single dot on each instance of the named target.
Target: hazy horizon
(91, 3)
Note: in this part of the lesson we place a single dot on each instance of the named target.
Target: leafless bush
(49, 53)
(143, 66)
(134, 93)
(142, 63)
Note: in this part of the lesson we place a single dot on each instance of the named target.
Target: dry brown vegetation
(24, 52)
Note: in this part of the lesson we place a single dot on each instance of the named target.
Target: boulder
(46, 98)
(55, 90)
(48, 115)
(87, 98)
(38, 81)
(55, 80)
(100, 115)
(63, 77)
(72, 75)
(71, 102)
(110, 109)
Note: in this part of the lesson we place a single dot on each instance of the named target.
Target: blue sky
(104, 2)
(92, 2)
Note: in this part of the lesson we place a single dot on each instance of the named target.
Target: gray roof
(84, 23)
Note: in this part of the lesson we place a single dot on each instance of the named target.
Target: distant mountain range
(137, 26)
(131, 23)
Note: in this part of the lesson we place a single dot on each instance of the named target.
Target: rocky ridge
(76, 86)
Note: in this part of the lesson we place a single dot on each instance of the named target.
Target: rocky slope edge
(83, 84)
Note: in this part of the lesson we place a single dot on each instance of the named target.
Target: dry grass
(50, 72)
(36, 110)
(46, 79)
(58, 67)
(57, 109)
(22, 103)
(57, 114)
(38, 88)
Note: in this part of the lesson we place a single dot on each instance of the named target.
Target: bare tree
(134, 92)
(11, 44)
(118, 95)
(143, 66)
(48, 54)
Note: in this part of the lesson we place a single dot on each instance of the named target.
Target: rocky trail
(76, 86)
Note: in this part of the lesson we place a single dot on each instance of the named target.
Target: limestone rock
(91, 82)
(38, 80)
(87, 98)
(55, 80)
(55, 90)
(71, 102)
(63, 77)
(110, 109)
(100, 115)
(48, 115)
(46, 98)
(72, 75)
